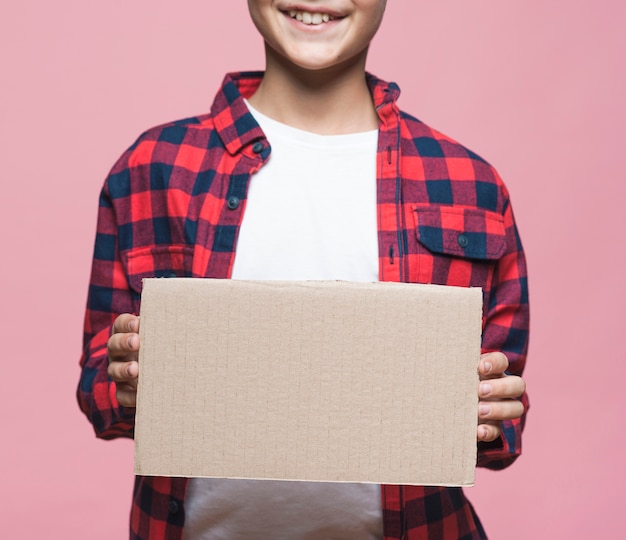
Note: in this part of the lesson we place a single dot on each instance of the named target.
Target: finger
(123, 347)
(125, 376)
(126, 323)
(506, 387)
(488, 431)
(126, 394)
(492, 364)
(124, 372)
(507, 409)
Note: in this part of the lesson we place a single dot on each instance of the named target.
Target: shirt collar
(236, 126)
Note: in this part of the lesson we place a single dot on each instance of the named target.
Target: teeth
(310, 18)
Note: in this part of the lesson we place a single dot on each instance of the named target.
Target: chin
(320, 62)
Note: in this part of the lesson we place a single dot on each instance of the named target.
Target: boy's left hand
(497, 393)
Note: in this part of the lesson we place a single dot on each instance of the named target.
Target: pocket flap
(157, 261)
(462, 232)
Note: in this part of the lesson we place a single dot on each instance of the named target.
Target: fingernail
(484, 410)
(485, 389)
(487, 367)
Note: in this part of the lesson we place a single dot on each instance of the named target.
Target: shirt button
(257, 148)
(392, 87)
(173, 507)
(233, 203)
(462, 240)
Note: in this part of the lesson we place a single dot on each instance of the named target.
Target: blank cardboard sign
(318, 381)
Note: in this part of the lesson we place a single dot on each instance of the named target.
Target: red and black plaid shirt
(174, 202)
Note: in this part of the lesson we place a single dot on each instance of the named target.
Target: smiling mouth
(312, 19)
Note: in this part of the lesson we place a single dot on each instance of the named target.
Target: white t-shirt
(310, 215)
(311, 210)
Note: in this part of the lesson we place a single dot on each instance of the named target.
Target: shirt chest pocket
(157, 261)
(456, 246)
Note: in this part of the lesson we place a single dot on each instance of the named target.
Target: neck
(332, 101)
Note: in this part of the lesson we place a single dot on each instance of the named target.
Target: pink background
(536, 87)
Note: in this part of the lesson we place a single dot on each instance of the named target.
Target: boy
(351, 189)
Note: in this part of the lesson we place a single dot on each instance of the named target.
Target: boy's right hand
(123, 350)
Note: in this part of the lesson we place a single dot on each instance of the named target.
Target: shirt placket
(389, 196)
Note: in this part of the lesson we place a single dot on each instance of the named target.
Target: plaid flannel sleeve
(506, 329)
(109, 295)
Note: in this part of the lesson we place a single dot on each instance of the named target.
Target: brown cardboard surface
(323, 381)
